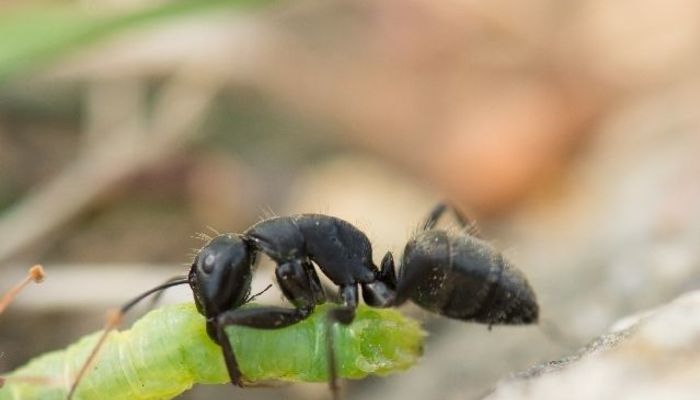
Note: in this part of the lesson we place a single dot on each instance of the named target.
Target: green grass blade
(31, 37)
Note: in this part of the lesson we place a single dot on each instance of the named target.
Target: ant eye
(208, 263)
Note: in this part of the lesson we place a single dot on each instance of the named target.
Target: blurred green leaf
(31, 37)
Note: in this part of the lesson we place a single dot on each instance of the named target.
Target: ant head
(220, 275)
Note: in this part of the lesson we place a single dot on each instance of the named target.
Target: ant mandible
(455, 274)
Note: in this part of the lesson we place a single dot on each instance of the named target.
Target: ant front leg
(434, 216)
(268, 317)
(296, 284)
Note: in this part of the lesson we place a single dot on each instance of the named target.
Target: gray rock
(652, 355)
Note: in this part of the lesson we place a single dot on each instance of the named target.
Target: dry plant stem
(114, 319)
(36, 274)
(121, 152)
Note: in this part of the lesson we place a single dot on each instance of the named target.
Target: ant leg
(300, 283)
(295, 282)
(234, 372)
(260, 244)
(467, 223)
(268, 317)
(317, 288)
(434, 216)
(344, 315)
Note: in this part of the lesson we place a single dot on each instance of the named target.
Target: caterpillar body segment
(168, 351)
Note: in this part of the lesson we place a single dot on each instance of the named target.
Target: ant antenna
(155, 299)
(114, 319)
(36, 274)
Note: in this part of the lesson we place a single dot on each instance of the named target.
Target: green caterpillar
(168, 350)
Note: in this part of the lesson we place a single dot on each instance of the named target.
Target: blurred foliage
(33, 36)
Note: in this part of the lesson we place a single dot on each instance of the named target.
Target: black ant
(455, 274)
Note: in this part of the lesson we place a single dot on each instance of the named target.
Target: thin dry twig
(114, 319)
(36, 274)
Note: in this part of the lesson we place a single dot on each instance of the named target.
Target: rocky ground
(651, 355)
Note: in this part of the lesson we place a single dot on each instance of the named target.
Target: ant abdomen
(461, 276)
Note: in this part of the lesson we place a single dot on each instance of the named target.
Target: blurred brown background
(570, 130)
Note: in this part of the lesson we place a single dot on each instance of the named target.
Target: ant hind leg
(465, 222)
(468, 224)
(434, 216)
